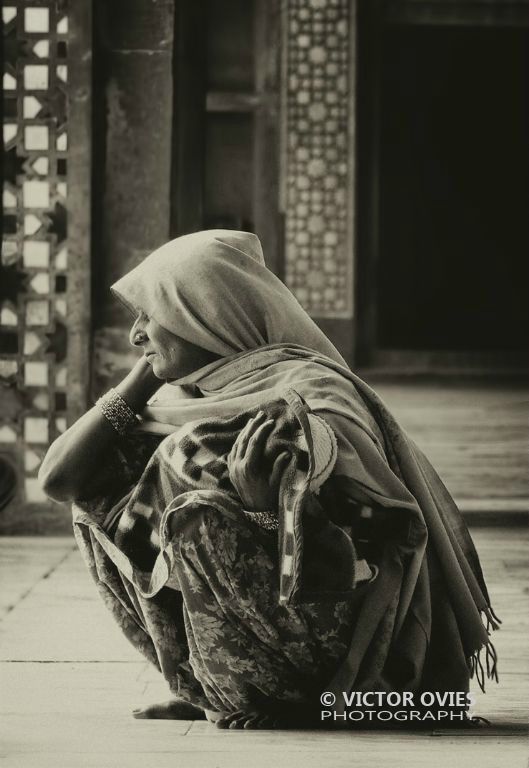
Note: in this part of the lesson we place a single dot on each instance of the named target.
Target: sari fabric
(222, 640)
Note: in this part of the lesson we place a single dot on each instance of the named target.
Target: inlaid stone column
(318, 160)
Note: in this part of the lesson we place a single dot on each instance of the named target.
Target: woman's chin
(157, 369)
(163, 372)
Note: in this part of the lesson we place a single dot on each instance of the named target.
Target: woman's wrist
(139, 385)
(117, 411)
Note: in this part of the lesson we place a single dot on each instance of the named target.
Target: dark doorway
(226, 125)
(444, 189)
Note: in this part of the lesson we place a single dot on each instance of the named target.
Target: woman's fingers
(252, 438)
(279, 467)
(257, 442)
(245, 434)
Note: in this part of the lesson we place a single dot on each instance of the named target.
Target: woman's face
(171, 357)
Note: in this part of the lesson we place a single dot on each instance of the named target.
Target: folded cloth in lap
(189, 468)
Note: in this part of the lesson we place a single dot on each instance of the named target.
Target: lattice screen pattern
(317, 84)
(34, 267)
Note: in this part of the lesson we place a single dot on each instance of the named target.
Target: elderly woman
(255, 519)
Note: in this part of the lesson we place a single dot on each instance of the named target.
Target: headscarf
(214, 290)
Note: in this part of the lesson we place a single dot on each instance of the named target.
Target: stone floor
(475, 433)
(68, 682)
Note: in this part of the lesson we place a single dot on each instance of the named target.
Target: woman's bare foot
(249, 720)
(174, 709)
(273, 715)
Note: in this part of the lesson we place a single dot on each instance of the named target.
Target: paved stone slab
(63, 619)
(25, 562)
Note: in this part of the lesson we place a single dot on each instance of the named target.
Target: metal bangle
(117, 411)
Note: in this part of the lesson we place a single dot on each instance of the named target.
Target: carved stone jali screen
(44, 294)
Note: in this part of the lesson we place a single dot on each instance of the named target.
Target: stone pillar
(132, 160)
(318, 160)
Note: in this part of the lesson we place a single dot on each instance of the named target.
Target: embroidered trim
(267, 520)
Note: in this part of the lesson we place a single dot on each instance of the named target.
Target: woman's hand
(74, 461)
(257, 488)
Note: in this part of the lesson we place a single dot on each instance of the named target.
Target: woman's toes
(231, 720)
(248, 721)
(238, 720)
(253, 723)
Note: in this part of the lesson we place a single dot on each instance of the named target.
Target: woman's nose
(137, 335)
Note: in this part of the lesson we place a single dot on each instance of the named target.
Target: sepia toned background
(379, 150)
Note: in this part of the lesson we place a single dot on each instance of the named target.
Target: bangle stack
(117, 411)
(267, 520)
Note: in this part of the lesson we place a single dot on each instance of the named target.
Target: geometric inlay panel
(318, 256)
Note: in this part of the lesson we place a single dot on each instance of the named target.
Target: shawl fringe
(475, 663)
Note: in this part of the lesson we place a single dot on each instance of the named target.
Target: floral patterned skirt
(221, 639)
